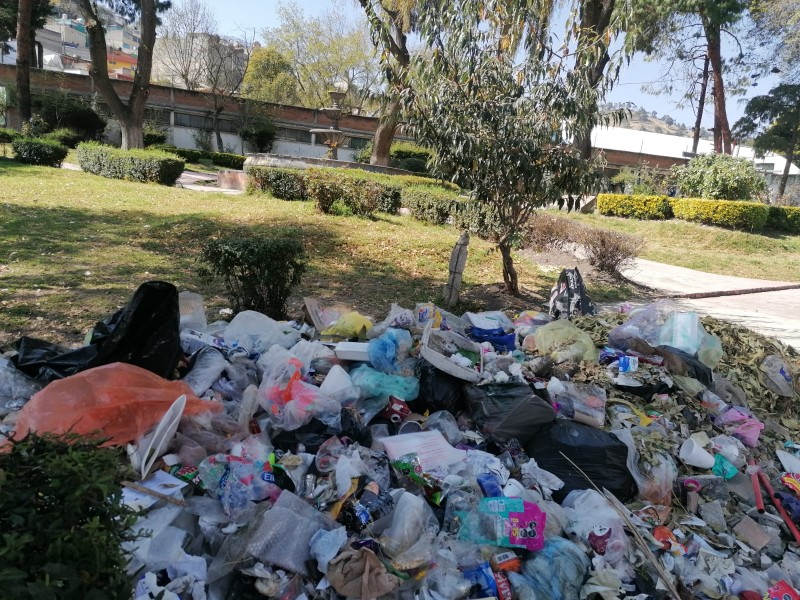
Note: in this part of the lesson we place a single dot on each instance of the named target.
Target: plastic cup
(695, 455)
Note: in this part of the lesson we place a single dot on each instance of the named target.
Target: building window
(294, 135)
(203, 122)
(357, 143)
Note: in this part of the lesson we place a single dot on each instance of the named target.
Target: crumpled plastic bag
(389, 353)
(256, 332)
(412, 518)
(644, 323)
(589, 512)
(360, 574)
(777, 376)
(399, 318)
(376, 387)
(563, 341)
(557, 572)
(16, 388)
(349, 325)
(119, 401)
(325, 545)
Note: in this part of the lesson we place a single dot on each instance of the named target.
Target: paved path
(190, 180)
(775, 313)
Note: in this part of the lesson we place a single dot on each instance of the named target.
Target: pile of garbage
(646, 453)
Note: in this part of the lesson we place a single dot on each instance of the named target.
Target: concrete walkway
(773, 313)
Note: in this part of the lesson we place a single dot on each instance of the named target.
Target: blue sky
(237, 14)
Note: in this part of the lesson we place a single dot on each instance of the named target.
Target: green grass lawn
(711, 249)
(74, 247)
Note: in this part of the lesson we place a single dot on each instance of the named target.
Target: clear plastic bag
(379, 386)
(16, 388)
(411, 520)
(444, 422)
(258, 333)
(654, 481)
(399, 317)
(592, 520)
(778, 377)
(710, 353)
(563, 341)
(209, 364)
(585, 403)
(683, 331)
(193, 313)
(645, 323)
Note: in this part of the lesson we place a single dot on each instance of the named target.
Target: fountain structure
(332, 137)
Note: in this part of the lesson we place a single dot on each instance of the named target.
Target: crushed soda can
(396, 411)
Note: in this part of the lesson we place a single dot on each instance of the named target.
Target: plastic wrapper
(256, 332)
(654, 481)
(557, 572)
(326, 544)
(118, 401)
(412, 519)
(684, 331)
(389, 353)
(209, 364)
(192, 311)
(444, 422)
(710, 352)
(645, 323)
(730, 448)
(562, 341)
(439, 318)
(601, 455)
(143, 333)
(585, 403)
(438, 390)
(16, 388)
(505, 522)
(349, 325)
(398, 317)
(378, 386)
(508, 410)
(777, 376)
(283, 535)
(593, 521)
(339, 386)
(500, 339)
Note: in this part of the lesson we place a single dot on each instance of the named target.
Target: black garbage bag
(693, 366)
(568, 297)
(601, 455)
(145, 333)
(437, 390)
(508, 410)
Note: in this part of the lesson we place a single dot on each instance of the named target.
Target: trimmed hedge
(65, 136)
(784, 218)
(285, 184)
(135, 165)
(36, 151)
(8, 135)
(724, 213)
(429, 204)
(634, 206)
(221, 159)
(337, 193)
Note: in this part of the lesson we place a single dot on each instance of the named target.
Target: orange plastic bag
(120, 401)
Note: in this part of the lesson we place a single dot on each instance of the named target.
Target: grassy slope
(711, 249)
(74, 246)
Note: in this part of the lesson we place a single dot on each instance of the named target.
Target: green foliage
(202, 139)
(634, 206)
(429, 204)
(62, 110)
(154, 136)
(403, 155)
(751, 216)
(720, 177)
(269, 78)
(641, 180)
(35, 127)
(8, 135)
(259, 133)
(226, 159)
(32, 151)
(62, 520)
(327, 186)
(221, 159)
(784, 218)
(135, 165)
(66, 137)
(258, 272)
(391, 199)
(285, 184)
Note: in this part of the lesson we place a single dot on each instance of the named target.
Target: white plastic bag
(589, 514)
(258, 333)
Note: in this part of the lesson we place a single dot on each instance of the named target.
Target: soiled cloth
(360, 574)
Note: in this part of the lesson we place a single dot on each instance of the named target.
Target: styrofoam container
(441, 362)
(357, 351)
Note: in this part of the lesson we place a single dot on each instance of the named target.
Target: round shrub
(720, 177)
(430, 204)
(36, 151)
(65, 136)
(8, 135)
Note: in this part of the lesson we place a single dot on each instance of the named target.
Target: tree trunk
(509, 272)
(384, 135)
(24, 53)
(722, 129)
(789, 158)
(132, 135)
(217, 132)
(701, 103)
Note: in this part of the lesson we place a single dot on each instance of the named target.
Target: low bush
(65, 136)
(63, 110)
(634, 206)
(720, 177)
(154, 137)
(391, 199)
(429, 204)
(750, 216)
(226, 159)
(545, 232)
(136, 165)
(285, 184)
(326, 187)
(258, 272)
(63, 519)
(784, 218)
(609, 251)
(37, 151)
(8, 135)
(221, 159)
(415, 165)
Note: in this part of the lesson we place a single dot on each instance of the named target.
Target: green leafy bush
(66, 137)
(642, 180)
(634, 206)
(402, 155)
(285, 184)
(154, 136)
(737, 215)
(391, 199)
(63, 110)
(720, 177)
(33, 151)
(784, 218)
(8, 135)
(415, 165)
(258, 272)
(480, 218)
(429, 204)
(221, 159)
(62, 519)
(226, 159)
(326, 186)
(609, 251)
(259, 134)
(136, 165)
